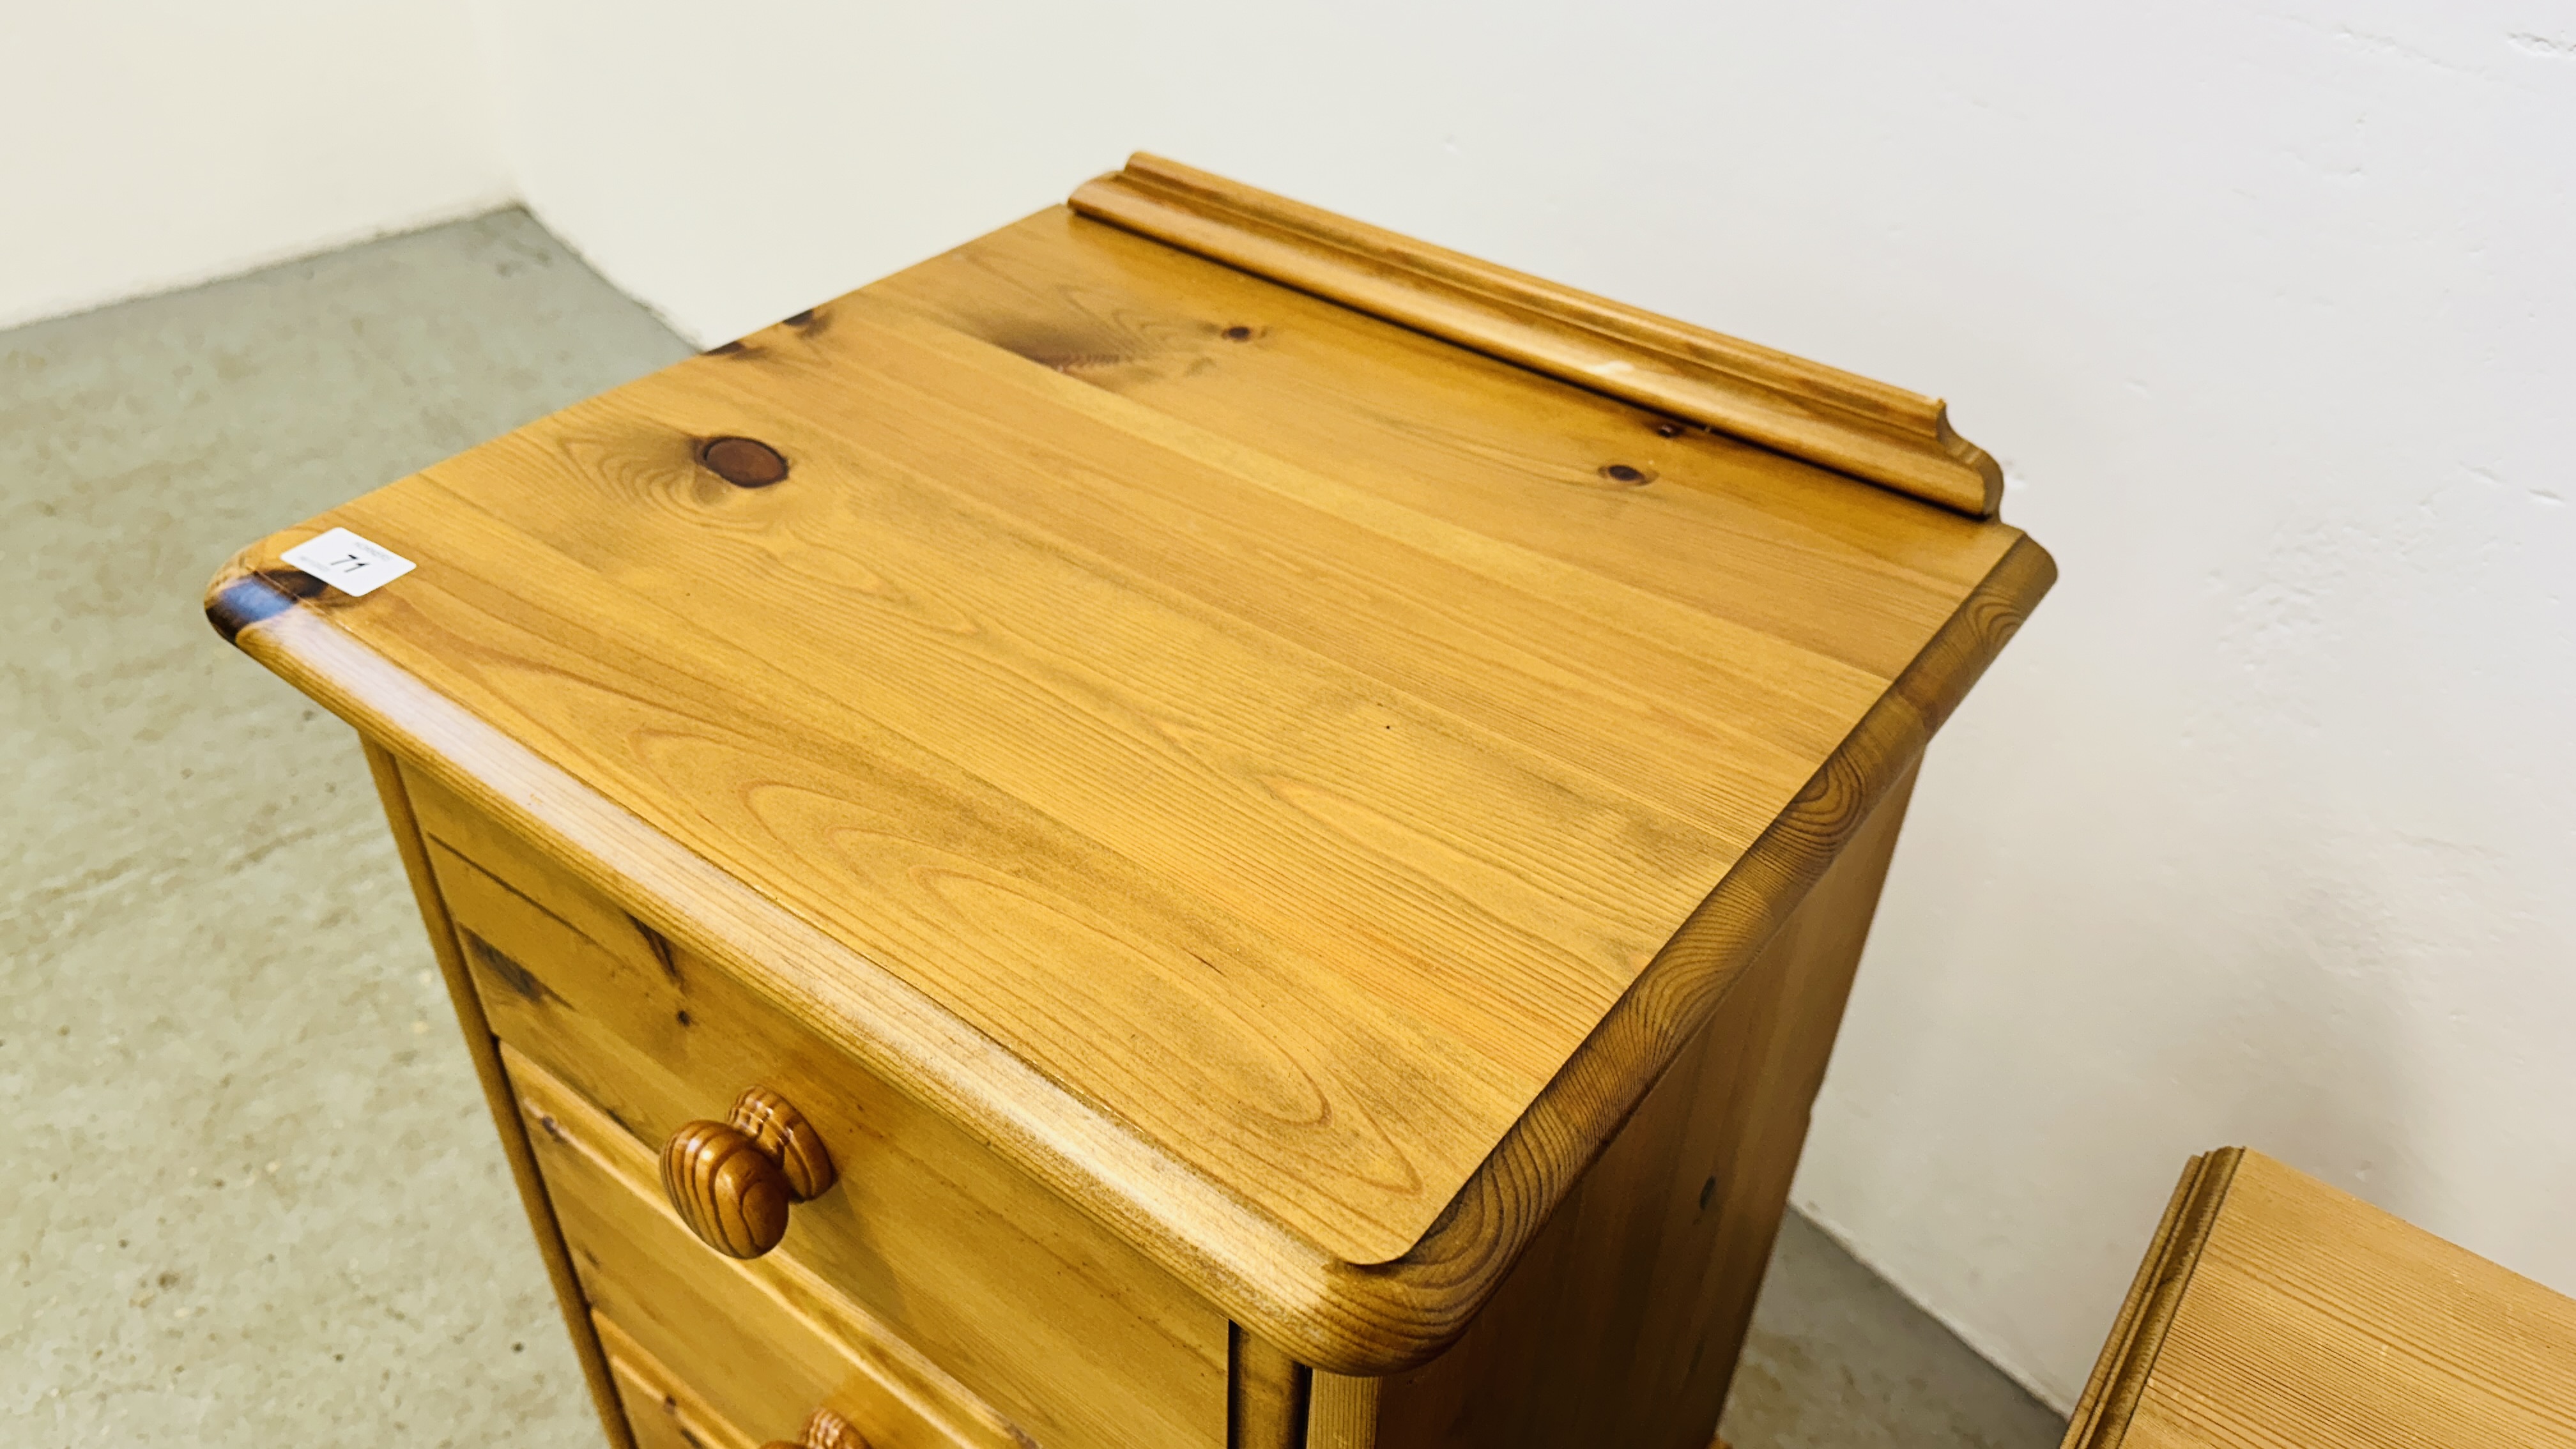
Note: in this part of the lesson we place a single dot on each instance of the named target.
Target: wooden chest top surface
(1288, 733)
(2273, 1309)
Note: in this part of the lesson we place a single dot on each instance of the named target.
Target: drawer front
(1080, 1339)
(663, 1411)
(761, 1345)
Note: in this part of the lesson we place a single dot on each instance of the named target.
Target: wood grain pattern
(1843, 421)
(1503, 1206)
(2307, 1317)
(764, 1343)
(787, 1138)
(1351, 1321)
(731, 1194)
(662, 1411)
(1414, 427)
(1342, 1412)
(1196, 870)
(1622, 1321)
(1294, 821)
(481, 1045)
(734, 1181)
(1079, 1338)
(2110, 1395)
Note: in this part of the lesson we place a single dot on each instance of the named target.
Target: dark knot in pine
(743, 462)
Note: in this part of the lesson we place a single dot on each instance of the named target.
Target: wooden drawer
(1031, 1304)
(760, 1345)
(662, 1410)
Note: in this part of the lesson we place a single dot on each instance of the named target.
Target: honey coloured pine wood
(484, 1049)
(760, 1346)
(662, 1411)
(1864, 428)
(1284, 768)
(2275, 1310)
(1621, 1322)
(1009, 1288)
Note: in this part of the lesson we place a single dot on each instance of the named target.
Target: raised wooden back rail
(1885, 435)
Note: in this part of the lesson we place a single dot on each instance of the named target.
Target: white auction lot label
(347, 562)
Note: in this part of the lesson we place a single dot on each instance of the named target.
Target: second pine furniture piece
(2273, 1309)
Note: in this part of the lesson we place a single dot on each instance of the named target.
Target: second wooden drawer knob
(732, 1181)
(825, 1430)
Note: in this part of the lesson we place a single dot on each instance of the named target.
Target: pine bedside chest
(1191, 825)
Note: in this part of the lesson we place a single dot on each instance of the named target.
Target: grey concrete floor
(1837, 1359)
(251, 1196)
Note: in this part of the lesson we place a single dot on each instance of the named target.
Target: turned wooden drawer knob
(732, 1181)
(825, 1430)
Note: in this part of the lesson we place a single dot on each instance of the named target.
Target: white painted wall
(150, 144)
(2266, 830)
